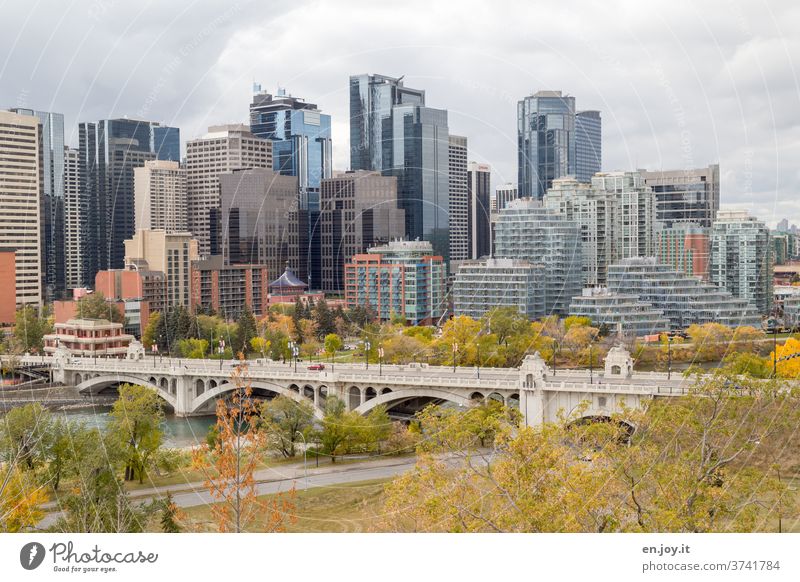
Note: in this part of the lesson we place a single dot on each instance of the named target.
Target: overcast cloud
(679, 83)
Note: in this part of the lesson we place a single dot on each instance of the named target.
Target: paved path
(273, 480)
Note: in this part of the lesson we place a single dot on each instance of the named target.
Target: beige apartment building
(169, 253)
(224, 148)
(161, 197)
(20, 202)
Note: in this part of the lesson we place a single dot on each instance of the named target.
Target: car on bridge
(317, 367)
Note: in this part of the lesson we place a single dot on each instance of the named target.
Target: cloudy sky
(680, 83)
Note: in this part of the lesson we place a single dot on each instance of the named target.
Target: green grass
(350, 507)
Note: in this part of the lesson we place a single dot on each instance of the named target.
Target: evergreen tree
(245, 331)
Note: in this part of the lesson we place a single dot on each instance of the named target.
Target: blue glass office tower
(109, 150)
(52, 156)
(301, 147)
(393, 132)
(166, 142)
(555, 141)
(588, 145)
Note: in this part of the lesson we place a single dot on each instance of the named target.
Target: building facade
(140, 291)
(301, 143)
(8, 291)
(684, 300)
(741, 258)
(224, 148)
(20, 203)
(258, 222)
(588, 144)
(528, 231)
(623, 314)
(229, 289)
(52, 165)
(88, 338)
(551, 140)
(595, 210)
(358, 210)
(76, 214)
(109, 150)
(169, 253)
(402, 278)
(392, 131)
(635, 225)
(685, 195)
(483, 285)
(478, 193)
(503, 195)
(160, 197)
(459, 199)
(684, 246)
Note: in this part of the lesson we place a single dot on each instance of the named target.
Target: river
(178, 432)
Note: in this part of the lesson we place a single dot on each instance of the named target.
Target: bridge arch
(212, 393)
(97, 383)
(391, 397)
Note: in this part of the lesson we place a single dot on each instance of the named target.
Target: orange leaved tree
(230, 461)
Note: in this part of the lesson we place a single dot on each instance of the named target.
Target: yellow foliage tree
(229, 466)
(20, 501)
(789, 368)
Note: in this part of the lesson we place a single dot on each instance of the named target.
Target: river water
(178, 432)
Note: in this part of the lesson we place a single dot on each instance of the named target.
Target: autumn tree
(97, 501)
(136, 419)
(787, 357)
(151, 334)
(704, 462)
(229, 465)
(285, 422)
(21, 500)
(340, 428)
(333, 343)
(25, 436)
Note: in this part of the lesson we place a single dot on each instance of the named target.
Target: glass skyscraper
(588, 145)
(166, 143)
(301, 147)
(52, 170)
(109, 150)
(393, 132)
(554, 141)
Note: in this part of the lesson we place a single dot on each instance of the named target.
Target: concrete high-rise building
(258, 221)
(595, 210)
(224, 148)
(358, 210)
(741, 258)
(402, 278)
(459, 218)
(549, 137)
(392, 131)
(503, 195)
(109, 150)
(301, 146)
(588, 144)
(635, 225)
(685, 195)
(160, 195)
(52, 165)
(479, 191)
(169, 253)
(526, 230)
(684, 246)
(76, 215)
(20, 202)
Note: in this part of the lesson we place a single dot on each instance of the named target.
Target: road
(272, 480)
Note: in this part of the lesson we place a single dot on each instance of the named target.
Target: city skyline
(683, 98)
